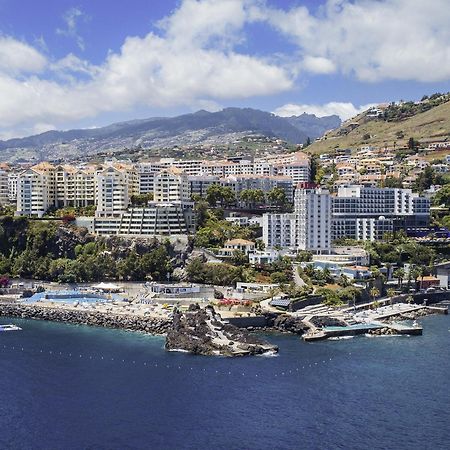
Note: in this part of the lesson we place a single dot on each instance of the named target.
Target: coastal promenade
(110, 318)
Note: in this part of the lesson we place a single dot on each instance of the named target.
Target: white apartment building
(4, 187)
(44, 186)
(313, 210)
(298, 172)
(280, 230)
(156, 219)
(367, 213)
(171, 185)
(307, 228)
(12, 186)
(114, 187)
(265, 183)
(33, 196)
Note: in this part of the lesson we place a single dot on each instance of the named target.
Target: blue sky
(66, 64)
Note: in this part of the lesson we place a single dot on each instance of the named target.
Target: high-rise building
(4, 187)
(171, 185)
(307, 228)
(114, 188)
(368, 213)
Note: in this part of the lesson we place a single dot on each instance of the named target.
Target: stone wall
(110, 320)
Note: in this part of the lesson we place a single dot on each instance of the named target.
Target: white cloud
(17, 57)
(71, 19)
(193, 59)
(343, 110)
(318, 64)
(373, 39)
(191, 62)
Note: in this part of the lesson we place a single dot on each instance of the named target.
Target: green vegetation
(402, 111)
(213, 231)
(340, 297)
(46, 251)
(217, 195)
(72, 211)
(141, 200)
(399, 249)
(252, 197)
(216, 273)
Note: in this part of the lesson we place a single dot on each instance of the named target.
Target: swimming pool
(72, 297)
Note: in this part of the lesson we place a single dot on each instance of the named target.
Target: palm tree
(375, 272)
(344, 281)
(415, 272)
(399, 274)
(374, 293)
(391, 293)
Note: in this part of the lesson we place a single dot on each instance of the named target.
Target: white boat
(9, 327)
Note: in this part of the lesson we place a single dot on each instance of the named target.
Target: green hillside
(432, 125)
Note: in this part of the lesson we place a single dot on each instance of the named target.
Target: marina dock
(360, 328)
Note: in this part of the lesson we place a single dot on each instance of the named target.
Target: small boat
(9, 327)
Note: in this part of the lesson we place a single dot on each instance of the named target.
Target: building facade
(367, 213)
(307, 228)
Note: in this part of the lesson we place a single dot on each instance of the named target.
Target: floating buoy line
(306, 366)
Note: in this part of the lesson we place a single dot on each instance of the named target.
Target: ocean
(78, 387)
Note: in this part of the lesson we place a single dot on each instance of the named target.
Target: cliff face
(203, 332)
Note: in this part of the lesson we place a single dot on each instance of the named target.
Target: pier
(361, 328)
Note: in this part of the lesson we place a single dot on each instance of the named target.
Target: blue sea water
(77, 387)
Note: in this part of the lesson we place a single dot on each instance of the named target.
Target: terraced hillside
(432, 125)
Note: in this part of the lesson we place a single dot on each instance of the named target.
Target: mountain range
(202, 127)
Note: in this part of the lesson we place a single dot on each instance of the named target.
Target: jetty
(362, 328)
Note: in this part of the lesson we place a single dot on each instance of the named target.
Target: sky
(87, 63)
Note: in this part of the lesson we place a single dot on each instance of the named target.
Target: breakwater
(152, 325)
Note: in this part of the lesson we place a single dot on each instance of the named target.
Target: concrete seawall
(150, 325)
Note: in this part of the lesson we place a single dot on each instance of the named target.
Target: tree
(201, 212)
(304, 256)
(374, 293)
(252, 197)
(239, 258)
(393, 182)
(331, 298)
(195, 270)
(425, 179)
(391, 293)
(399, 274)
(442, 197)
(223, 195)
(277, 197)
(344, 281)
(141, 199)
(412, 144)
(415, 272)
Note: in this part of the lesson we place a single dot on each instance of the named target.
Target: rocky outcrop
(149, 325)
(327, 321)
(383, 332)
(203, 332)
(290, 324)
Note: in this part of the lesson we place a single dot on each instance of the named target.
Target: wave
(383, 335)
(269, 354)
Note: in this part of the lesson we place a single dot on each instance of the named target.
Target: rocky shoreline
(151, 325)
(203, 332)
